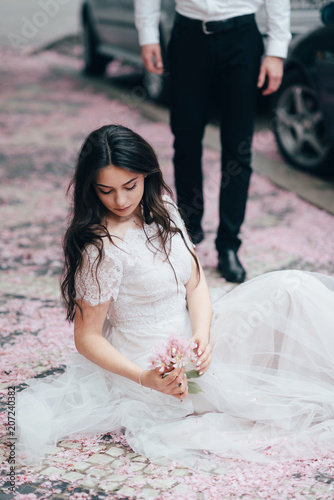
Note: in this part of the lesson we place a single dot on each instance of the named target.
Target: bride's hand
(174, 384)
(204, 352)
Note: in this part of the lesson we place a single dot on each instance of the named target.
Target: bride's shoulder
(170, 204)
(93, 251)
(168, 200)
(176, 216)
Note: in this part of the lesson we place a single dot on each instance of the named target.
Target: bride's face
(119, 190)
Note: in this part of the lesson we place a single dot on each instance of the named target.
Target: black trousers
(230, 60)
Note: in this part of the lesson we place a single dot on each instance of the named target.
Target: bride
(132, 278)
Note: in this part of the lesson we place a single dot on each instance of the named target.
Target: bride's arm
(90, 343)
(200, 312)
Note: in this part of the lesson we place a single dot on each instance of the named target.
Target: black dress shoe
(230, 266)
(196, 235)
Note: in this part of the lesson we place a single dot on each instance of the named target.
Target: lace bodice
(140, 283)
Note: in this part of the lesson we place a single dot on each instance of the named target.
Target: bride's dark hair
(123, 148)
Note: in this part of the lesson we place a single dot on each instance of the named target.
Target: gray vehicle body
(304, 104)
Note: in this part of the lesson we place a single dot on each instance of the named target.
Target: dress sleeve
(95, 283)
(278, 27)
(176, 217)
(147, 18)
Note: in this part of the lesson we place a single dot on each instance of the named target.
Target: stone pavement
(46, 111)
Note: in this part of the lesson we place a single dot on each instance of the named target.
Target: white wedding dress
(269, 392)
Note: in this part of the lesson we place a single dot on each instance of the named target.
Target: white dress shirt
(147, 18)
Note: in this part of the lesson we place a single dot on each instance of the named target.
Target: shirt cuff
(148, 36)
(277, 48)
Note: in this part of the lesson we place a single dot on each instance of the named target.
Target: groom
(216, 43)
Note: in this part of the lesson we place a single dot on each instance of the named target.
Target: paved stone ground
(45, 114)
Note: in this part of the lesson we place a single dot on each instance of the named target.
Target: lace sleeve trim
(98, 284)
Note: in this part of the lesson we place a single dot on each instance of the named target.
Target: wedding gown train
(269, 392)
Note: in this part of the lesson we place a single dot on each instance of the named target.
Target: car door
(115, 22)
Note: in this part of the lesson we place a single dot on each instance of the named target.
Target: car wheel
(157, 87)
(95, 63)
(299, 126)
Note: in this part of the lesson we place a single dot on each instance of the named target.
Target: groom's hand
(151, 55)
(271, 68)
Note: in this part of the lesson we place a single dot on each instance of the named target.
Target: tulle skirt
(268, 395)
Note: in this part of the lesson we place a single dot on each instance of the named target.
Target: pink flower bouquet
(176, 352)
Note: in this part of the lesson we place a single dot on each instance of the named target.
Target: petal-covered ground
(46, 111)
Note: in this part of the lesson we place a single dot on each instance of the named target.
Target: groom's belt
(212, 27)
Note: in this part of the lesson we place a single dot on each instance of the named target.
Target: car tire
(94, 63)
(299, 126)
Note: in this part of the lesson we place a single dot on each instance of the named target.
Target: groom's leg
(241, 50)
(191, 54)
